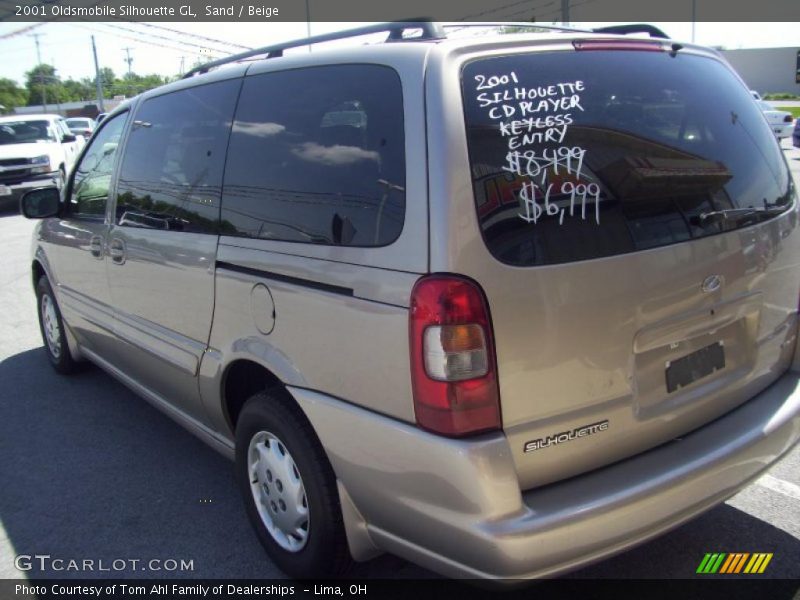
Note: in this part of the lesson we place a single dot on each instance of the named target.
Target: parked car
(780, 121)
(501, 305)
(35, 150)
(82, 126)
(796, 134)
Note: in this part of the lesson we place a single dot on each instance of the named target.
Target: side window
(62, 128)
(53, 133)
(92, 179)
(317, 155)
(171, 172)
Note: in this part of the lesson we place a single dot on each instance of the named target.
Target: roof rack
(525, 24)
(635, 28)
(430, 31)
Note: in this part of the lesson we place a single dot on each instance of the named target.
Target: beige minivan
(499, 304)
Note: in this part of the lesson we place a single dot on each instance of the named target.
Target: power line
(20, 31)
(139, 40)
(196, 36)
(559, 11)
(531, 5)
(161, 37)
(528, 11)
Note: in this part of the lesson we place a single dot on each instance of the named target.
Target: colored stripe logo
(734, 563)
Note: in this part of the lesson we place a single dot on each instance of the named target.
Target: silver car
(501, 305)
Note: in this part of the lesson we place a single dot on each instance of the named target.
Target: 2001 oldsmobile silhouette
(500, 305)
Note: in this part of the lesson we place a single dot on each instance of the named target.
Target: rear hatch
(641, 220)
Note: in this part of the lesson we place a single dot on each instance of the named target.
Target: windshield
(24, 132)
(579, 155)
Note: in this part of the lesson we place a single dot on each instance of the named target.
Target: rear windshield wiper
(715, 216)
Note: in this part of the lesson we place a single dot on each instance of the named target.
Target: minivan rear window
(580, 155)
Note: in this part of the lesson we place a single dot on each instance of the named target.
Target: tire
(51, 326)
(269, 423)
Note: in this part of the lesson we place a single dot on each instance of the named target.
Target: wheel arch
(248, 373)
(241, 379)
(39, 269)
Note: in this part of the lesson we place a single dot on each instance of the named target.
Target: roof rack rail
(526, 24)
(430, 31)
(636, 28)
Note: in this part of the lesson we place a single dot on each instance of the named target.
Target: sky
(154, 49)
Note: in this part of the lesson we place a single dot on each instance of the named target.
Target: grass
(795, 110)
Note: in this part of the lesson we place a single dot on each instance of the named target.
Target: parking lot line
(779, 485)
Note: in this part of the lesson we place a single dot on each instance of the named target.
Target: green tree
(11, 94)
(131, 84)
(79, 90)
(107, 77)
(43, 85)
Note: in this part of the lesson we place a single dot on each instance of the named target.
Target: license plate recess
(700, 363)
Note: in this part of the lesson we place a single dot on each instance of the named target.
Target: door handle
(116, 250)
(96, 246)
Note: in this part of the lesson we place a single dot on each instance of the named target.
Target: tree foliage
(11, 94)
(42, 83)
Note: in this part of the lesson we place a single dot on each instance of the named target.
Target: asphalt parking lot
(90, 471)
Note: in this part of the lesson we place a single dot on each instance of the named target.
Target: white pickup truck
(35, 151)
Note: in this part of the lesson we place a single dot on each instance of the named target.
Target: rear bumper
(455, 506)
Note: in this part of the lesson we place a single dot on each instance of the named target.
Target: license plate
(5, 190)
(694, 366)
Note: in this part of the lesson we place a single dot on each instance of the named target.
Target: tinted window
(317, 155)
(92, 179)
(24, 132)
(578, 155)
(172, 168)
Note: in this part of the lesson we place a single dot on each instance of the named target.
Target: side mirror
(40, 203)
(67, 138)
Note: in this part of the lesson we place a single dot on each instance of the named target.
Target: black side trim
(316, 285)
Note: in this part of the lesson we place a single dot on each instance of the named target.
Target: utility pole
(36, 36)
(97, 79)
(565, 12)
(58, 102)
(694, 17)
(183, 59)
(128, 60)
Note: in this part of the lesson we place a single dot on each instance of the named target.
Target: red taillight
(641, 45)
(453, 365)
